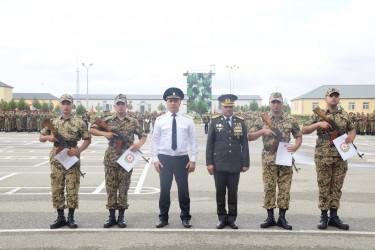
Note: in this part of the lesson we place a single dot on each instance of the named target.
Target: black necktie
(174, 133)
(228, 122)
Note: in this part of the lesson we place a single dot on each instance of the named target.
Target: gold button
(230, 138)
(230, 131)
(230, 151)
(230, 144)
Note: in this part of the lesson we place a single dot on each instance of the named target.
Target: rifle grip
(274, 146)
(118, 147)
(334, 136)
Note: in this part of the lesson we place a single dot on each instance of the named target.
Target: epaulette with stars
(215, 116)
(239, 117)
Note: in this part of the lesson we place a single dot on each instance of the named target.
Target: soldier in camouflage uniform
(2, 120)
(276, 175)
(330, 167)
(72, 129)
(117, 179)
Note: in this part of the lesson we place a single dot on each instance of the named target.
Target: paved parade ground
(26, 208)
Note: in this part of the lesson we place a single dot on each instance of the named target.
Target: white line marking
(142, 178)
(37, 165)
(13, 190)
(193, 230)
(100, 188)
(9, 175)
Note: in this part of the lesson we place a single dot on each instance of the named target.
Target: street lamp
(87, 83)
(231, 81)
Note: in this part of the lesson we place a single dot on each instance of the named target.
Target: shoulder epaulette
(239, 117)
(215, 116)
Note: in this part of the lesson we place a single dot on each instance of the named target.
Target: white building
(150, 103)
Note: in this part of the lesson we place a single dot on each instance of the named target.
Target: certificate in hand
(65, 159)
(346, 150)
(283, 157)
(128, 159)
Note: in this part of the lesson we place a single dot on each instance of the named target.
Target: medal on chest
(237, 130)
(219, 127)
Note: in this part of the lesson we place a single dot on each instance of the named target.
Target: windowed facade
(351, 106)
(366, 105)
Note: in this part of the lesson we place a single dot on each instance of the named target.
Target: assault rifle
(279, 137)
(121, 138)
(337, 130)
(62, 141)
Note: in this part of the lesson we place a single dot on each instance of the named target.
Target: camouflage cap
(120, 98)
(332, 90)
(66, 97)
(276, 96)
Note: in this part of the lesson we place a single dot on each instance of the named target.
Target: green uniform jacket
(225, 150)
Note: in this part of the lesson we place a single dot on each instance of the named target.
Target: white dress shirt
(230, 120)
(162, 137)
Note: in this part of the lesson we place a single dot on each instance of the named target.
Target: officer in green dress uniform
(227, 154)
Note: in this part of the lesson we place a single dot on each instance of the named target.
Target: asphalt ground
(26, 207)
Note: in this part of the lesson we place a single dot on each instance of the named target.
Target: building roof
(30, 96)
(151, 97)
(346, 92)
(5, 85)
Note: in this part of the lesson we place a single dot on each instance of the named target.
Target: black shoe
(111, 220)
(233, 225)
(323, 220)
(335, 221)
(60, 221)
(161, 223)
(221, 224)
(71, 222)
(120, 220)
(270, 221)
(186, 223)
(281, 222)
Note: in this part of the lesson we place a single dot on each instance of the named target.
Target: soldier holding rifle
(72, 130)
(330, 167)
(276, 174)
(117, 179)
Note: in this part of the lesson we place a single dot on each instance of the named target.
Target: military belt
(325, 137)
(113, 145)
(71, 144)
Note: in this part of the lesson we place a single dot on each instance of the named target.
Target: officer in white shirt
(172, 134)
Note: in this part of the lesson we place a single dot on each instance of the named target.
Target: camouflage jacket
(323, 146)
(286, 124)
(72, 129)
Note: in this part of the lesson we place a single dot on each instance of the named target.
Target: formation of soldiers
(23, 120)
(364, 124)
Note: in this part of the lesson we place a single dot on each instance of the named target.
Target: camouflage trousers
(282, 177)
(331, 173)
(61, 179)
(117, 183)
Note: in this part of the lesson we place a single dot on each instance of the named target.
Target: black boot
(281, 222)
(335, 221)
(60, 221)
(71, 222)
(323, 220)
(112, 219)
(121, 221)
(270, 221)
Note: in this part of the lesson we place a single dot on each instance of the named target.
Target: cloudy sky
(145, 46)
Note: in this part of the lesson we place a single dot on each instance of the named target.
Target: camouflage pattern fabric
(330, 167)
(330, 174)
(199, 89)
(117, 180)
(275, 174)
(72, 129)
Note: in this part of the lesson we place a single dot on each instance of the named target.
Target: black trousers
(174, 165)
(224, 181)
(205, 128)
